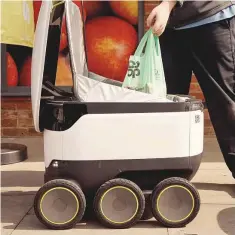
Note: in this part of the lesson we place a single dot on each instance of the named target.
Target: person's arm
(159, 16)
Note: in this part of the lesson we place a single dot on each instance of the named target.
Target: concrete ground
(20, 182)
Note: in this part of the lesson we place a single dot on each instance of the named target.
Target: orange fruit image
(127, 10)
(12, 72)
(63, 74)
(25, 73)
(109, 42)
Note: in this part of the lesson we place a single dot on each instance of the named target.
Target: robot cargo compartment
(60, 114)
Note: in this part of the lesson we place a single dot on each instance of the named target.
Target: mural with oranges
(111, 36)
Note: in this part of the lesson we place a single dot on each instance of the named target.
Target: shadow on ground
(30, 222)
(22, 178)
(229, 188)
(226, 220)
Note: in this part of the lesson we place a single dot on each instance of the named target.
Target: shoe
(232, 164)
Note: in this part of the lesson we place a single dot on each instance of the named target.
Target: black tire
(132, 191)
(188, 204)
(147, 215)
(73, 208)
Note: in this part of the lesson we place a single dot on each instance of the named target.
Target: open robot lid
(38, 59)
(45, 55)
(46, 51)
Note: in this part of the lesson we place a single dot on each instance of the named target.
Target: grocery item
(145, 72)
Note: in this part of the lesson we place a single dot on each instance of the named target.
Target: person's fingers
(159, 30)
(156, 27)
(151, 18)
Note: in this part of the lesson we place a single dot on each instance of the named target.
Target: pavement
(20, 182)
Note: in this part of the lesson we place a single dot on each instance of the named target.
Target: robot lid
(46, 51)
(45, 56)
(38, 59)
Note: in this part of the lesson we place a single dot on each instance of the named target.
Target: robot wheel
(119, 203)
(175, 202)
(59, 204)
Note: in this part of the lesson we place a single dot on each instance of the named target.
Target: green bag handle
(152, 46)
(142, 43)
(154, 43)
(148, 60)
(157, 45)
(144, 40)
(149, 50)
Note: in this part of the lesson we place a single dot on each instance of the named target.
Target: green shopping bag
(145, 71)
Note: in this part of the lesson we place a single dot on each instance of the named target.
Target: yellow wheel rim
(161, 194)
(59, 188)
(124, 188)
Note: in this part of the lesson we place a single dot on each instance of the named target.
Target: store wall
(16, 115)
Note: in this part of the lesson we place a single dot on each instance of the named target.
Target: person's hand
(159, 16)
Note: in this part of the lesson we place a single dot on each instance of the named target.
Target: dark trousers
(209, 52)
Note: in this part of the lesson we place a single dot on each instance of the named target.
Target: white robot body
(127, 136)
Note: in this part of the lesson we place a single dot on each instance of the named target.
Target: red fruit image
(25, 73)
(36, 8)
(95, 8)
(63, 74)
(110, 41)
(12, 72)
(127, 10)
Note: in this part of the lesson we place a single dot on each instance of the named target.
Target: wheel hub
(119, 205)
(175, 203)
(59, 205)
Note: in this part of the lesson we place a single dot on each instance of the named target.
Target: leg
(176, 61)
(214, 66)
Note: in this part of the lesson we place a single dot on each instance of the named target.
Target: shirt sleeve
(180, 3)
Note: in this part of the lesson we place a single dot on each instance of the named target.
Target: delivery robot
(120, 152)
